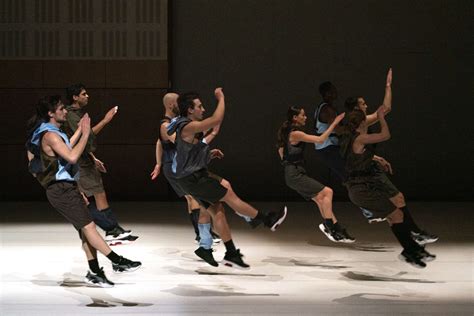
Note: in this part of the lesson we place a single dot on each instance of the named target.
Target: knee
(396, 216)
(89, 227)
(323, 194)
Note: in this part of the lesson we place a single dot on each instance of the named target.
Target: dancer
(90, 179)
(165, 151)
(370, 188)
(291, 144)
(190, 166)
(57, 155)
(328, 151)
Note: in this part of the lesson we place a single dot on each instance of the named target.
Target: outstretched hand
(110, 114)
(217, 153)
(389, 78)
(339, 118)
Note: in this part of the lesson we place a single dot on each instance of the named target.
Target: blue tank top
(321, 127)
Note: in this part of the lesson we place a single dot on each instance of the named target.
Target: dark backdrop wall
(271, 54)
(267, 55)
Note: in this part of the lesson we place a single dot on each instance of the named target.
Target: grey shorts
(297, 179)
(373, 193)
(90, 180)
(203, 186)
(67, 200)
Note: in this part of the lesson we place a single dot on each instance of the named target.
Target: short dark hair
(351, 103)
(74, 90)
(185, 101)
(43, 107)
(325, 87)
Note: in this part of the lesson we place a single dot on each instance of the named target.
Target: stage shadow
(100, 298)
(362, 276)
(366, 299)
(354, 246)
(222, 270)
(306, 262)
(195, 291)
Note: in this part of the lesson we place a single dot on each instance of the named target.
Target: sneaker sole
(428, 259)
(102, 285)
(426, 241)
(119, 242)
(278, 223)
(347, 241)
(128, 270)
(123, 235)
(403, 259)
(328, 236)
(234, 265)
(376, 220)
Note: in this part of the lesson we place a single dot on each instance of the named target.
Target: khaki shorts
(90, 180)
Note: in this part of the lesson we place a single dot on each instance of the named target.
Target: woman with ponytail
(370, 188)
(291, 143)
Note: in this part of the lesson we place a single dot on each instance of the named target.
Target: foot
(206, 255)
(413, 258)
(346, 238)
(125, 265)
(234, 260)
(426, 256)
(332, 235)
(423, 238)
(117, 233)
(274, 219)
(122, 241)
(98, 279)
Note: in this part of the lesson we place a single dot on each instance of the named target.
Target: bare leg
(238, 205)
(91, 252)
(101, 201)
(324, 201)
(94, 239)
(217, 213)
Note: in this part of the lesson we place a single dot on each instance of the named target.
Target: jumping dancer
(90, 178)
(52, 158)
(370, 188)
(291, 144)
(190, 166)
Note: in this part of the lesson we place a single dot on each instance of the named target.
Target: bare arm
(209, 137)
(158, 154)
(164, 133)
(76, 135)
(106, 120)
(299, 136)
(387, 100)
(54, 143)
(382, 136)
(216, 118)
(280, 152)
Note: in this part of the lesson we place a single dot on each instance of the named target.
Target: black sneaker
(125, 265)
(332, 235)
(116, 233)
(274, 219)
(426, 256)
(423, 238)
(346, 238)
(413, 258)
(234, 260)
(206, 255)
(254, 223)
(98, 279)
(124, 230)
(122, 241)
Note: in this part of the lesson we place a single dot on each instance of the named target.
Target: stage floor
(294, 271)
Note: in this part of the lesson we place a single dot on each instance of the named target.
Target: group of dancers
(61, 145)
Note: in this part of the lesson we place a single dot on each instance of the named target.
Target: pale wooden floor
(295, 270)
